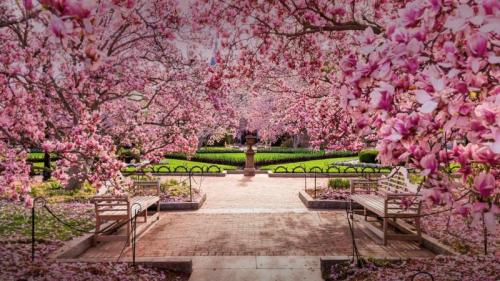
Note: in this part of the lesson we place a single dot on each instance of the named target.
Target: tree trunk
(296, 141)
(75, 180)
(47, 169)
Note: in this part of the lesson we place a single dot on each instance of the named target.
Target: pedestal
(249, 170)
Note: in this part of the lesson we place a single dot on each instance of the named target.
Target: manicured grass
(239, 158)
(322, 163)
(176, 164)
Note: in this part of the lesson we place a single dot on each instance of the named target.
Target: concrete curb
(327, 262)
(74, 247)
(311, 203)
(179, 264)
(175, 206)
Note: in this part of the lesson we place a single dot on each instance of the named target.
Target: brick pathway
(257, 216)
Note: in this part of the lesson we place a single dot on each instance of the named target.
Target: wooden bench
(121, 209)
(389, 198)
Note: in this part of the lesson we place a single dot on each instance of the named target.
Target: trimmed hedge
(339, 183)
(368, 156)
(262, 158)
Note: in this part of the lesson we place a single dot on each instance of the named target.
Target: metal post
(33, 218)
(315, 184)
(33, 232)
(133, 240)
(190, 188)
(305, 180)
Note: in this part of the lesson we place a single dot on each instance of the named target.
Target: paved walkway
(250, 224)
(260, 192)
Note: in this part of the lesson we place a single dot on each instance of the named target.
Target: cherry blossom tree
(81, 78)
(422, 75)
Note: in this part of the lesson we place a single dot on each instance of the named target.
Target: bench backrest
(146, 187)
(397, 182)
(106, 203)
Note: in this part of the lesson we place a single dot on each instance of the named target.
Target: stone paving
(253, 218)
(257, 216)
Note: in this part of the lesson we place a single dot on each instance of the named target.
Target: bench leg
(129, 231)
(419, 230)
(385, 231)
(97, 230)
(158, 210)
(365, 213)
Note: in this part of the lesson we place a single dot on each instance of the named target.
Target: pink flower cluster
(420, 77)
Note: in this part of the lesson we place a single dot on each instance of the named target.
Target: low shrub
(211, 149)
(338, 183)
(54, 192)
(175, 188)
(368, 156)
(177, 191)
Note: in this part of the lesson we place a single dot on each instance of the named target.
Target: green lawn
(15, 220)
(173, 164)
(322, 163)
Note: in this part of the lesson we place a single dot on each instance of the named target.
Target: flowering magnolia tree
(288, 105)
(82, 78)
(422, 75)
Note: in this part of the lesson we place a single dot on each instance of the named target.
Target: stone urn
(249, 170)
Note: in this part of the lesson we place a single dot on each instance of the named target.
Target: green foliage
(212, 149)
(53, 192)
(175, 188)
(368, 156)
(16, 221)
(264, 156)
(415, 178)
(323, 164)
(339, 183)
(39, 156)
(173, 164)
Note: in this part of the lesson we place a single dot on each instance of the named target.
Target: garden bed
(197, 202)
(177, 195)
(326, 203)
(334, 196)
(450, 268)
(16, 264)
(50, 235)
(461, 236)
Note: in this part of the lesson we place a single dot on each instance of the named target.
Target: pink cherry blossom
(28, 4)
(478, 44)
(57, 26)
(484, 183)
(429, 164)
